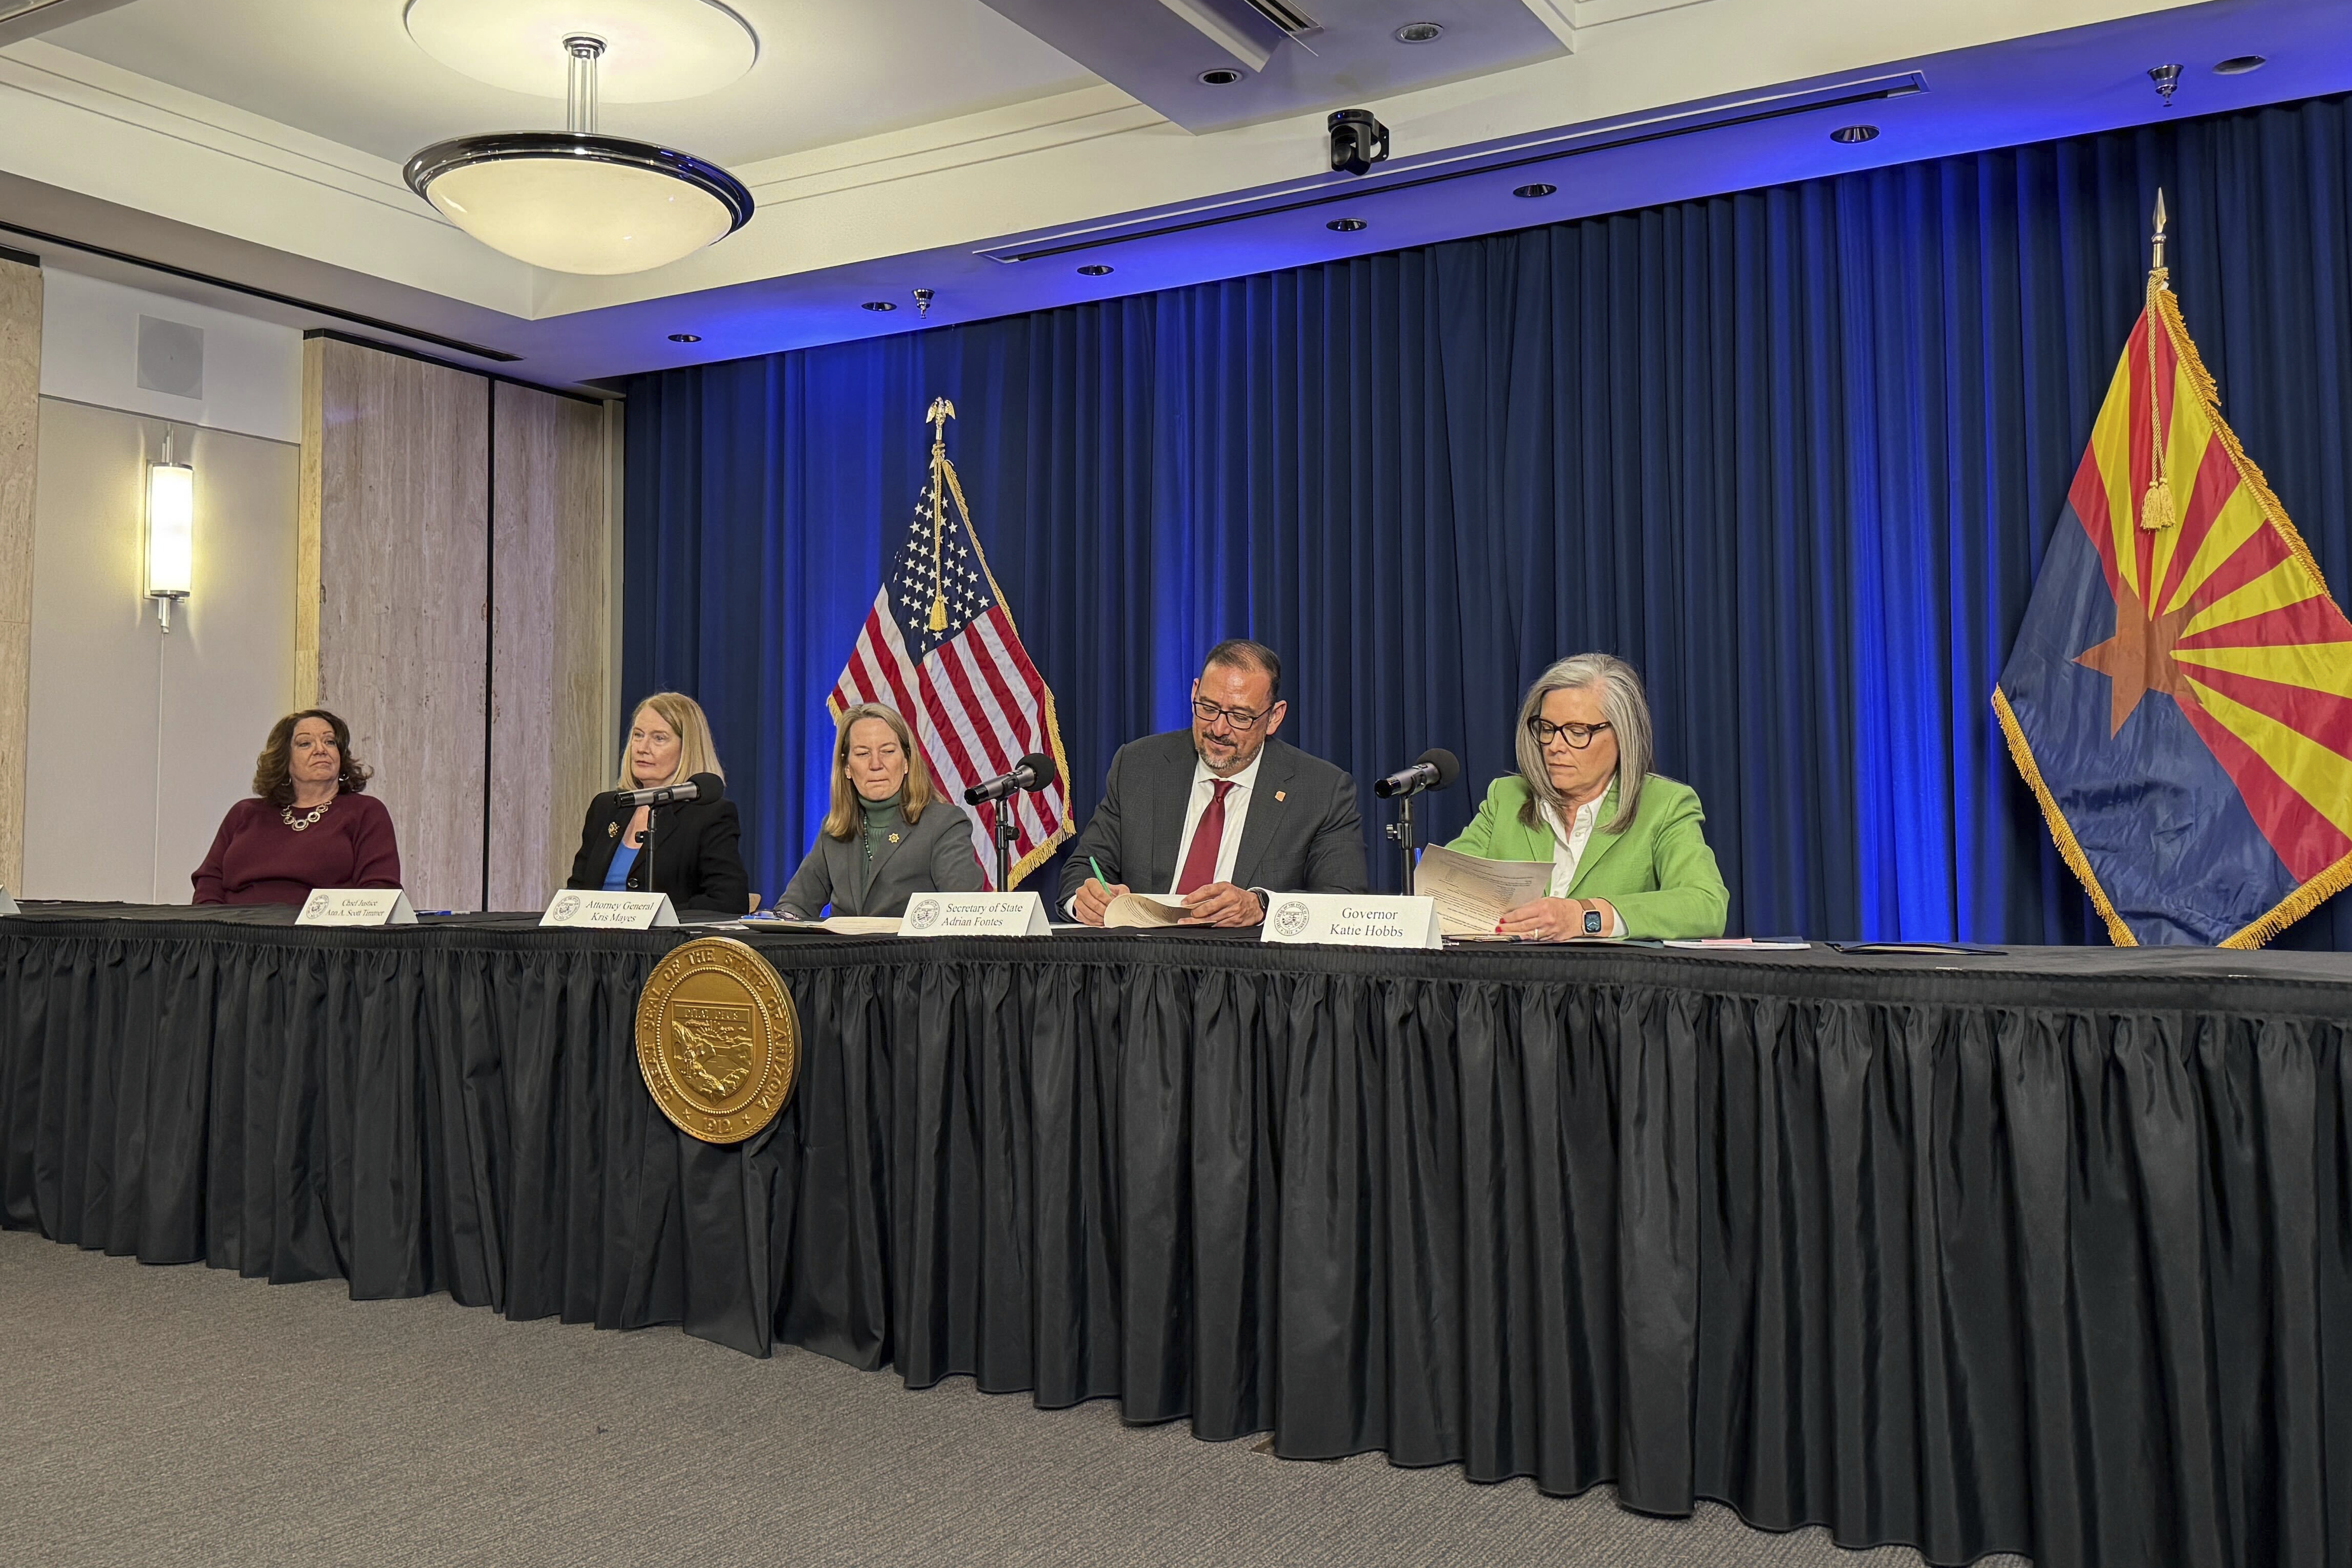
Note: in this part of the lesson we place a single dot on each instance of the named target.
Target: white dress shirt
(1237, 805)
(1229, 848)
(1568, 849)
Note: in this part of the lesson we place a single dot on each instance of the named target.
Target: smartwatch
(1592, 922)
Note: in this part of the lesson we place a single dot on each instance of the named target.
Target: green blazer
(1658, 874)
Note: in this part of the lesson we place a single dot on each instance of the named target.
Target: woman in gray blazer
(888, 836)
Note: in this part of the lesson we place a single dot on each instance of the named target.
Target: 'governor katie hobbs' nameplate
(1348, 920)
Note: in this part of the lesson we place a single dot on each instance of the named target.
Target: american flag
(976, 703)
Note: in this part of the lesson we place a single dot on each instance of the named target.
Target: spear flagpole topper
(937, 417)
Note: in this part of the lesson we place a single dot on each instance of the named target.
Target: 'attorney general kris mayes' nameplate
(610, 911)
(1348, 920)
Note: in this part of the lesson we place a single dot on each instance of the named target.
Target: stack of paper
(1473, 894)
(1136, 909)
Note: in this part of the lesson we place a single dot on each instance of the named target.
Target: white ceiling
(829, 71)
(892, 144)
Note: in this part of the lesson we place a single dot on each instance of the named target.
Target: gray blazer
(1302, 835)
(934, 855)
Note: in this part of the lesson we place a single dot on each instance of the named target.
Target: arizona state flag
(2180, 696)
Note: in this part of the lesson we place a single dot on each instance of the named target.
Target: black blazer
(1303, 834)
(698, 854)
(934, 855)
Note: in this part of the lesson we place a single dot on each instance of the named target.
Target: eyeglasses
(1240, 719)
(1578, 735)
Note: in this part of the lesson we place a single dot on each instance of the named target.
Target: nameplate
(8, 904)
(357, 906)
(610, 911)
(1345, 920)
(975, 914)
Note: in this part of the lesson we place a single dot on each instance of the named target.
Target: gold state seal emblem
(718, 1040)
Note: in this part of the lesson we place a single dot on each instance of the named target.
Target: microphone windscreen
(708, 787)
(1041, 768)
(1448, 766)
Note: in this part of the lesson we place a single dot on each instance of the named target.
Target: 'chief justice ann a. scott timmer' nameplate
(718, 1040)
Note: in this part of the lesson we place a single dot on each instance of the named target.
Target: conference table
(2038, 1251)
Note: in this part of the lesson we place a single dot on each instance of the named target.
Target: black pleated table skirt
(2044, 1250)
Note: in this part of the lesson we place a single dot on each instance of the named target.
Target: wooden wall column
(552, 746)
(20, 424)
(453, 582)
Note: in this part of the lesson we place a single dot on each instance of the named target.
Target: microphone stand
(646, 852)
(1401, 831)
(1003, 830)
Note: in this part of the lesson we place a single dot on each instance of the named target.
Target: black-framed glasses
(1240, 719)
(1578, 735)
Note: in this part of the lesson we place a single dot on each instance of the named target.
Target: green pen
(1098, 875)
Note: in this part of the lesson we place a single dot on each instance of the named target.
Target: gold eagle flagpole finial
(937, 417)
(2156, 508)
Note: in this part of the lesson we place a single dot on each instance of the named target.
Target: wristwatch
(1592, 922)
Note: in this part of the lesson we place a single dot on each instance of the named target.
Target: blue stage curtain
(1793, 452)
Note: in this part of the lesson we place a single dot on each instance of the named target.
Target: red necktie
(1200, 862)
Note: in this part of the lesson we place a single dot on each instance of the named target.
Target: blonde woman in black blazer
(695, 853)
(888, 836)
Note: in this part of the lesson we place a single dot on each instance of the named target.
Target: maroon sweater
(257, 859)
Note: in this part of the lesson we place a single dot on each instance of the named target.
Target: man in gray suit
(1208, 815)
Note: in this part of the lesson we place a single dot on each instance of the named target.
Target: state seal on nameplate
(718, 1040)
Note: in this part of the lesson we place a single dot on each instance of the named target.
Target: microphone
(1033, 771)
(701, 787)
(1436, 770)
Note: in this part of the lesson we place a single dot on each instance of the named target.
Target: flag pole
(937, 417)
(2157, 511)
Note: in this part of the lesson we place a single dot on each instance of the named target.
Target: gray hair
(1627, 711)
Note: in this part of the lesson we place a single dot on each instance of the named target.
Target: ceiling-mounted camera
(1358, 141)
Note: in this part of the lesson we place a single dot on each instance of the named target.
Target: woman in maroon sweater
(308, 826)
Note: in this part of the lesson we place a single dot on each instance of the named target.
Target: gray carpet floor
(182, 1415)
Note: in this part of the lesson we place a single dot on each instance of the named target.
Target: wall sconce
(170, 532)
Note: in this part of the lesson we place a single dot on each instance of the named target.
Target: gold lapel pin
(612, 829)
(894, 838)
(1280, 795)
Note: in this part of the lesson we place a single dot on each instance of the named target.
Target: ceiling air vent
(1286, 17)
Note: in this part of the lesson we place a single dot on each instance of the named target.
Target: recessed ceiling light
(1094, 269)
(1538, 189)
(1223, 75)
(1850, 134)
(1345, 225)
(1419, 32)
(686, 337)
(880, 305)
(2238, 65)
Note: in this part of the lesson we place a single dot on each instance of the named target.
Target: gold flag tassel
(937, 417)
(2157, 511)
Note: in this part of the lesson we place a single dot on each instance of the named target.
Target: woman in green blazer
(1628, 850)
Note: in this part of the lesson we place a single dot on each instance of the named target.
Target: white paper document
(1473, 893)
(1142, 910)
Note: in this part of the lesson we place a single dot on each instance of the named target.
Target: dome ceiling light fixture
(575, 201)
